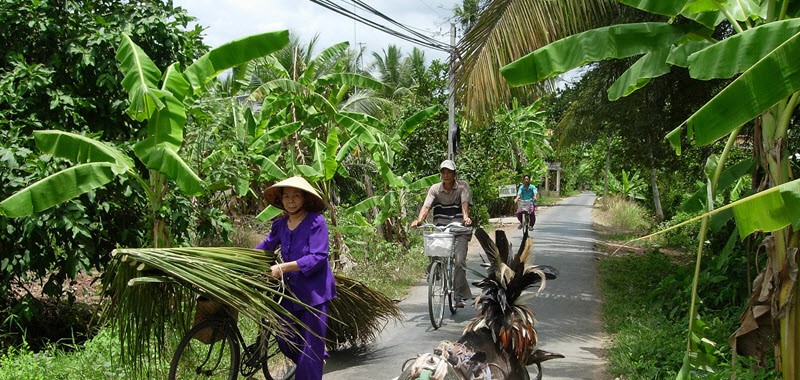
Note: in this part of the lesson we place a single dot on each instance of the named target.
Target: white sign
(508, 191)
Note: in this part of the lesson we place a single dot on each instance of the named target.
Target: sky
(226, 20)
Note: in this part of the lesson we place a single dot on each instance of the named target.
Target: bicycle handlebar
(455, 227)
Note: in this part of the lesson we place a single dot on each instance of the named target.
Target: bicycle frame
(528, 209)
(442, 265)
(251, 358)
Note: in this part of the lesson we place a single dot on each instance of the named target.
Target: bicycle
(440, 248)
(528, 212)
(212, 350)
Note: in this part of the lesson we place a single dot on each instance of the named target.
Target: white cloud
(226, 20)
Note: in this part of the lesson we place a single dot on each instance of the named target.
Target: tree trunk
(656, 194)
(375, 211)
(608, 164)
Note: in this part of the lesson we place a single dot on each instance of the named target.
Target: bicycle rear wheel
(277, 366)
(218, 359)
(437, 291)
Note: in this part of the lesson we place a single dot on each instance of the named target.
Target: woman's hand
(276, 271)
(467, 221)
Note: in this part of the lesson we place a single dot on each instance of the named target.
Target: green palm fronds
(154, 290)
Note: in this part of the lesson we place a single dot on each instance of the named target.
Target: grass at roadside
(645, 309)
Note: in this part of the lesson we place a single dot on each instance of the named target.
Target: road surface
(567, 310)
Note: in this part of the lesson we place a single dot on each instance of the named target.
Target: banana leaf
(351, 80)
(618, 41)
(741, 51)
(59, 187)
(773, 78)
(141, 78)
(169, 163)
(649, 66)
(232, 54)
(770, 210)
(79, 149)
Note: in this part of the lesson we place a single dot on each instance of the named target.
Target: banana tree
(526, 136)
(312, 122)
(160, 100)
(630, 185)
(394, 202)
(761, 55)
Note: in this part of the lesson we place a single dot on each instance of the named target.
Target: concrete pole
(451, 103)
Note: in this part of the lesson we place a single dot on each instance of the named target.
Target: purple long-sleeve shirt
(308, 245)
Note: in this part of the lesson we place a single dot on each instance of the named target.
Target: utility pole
(452, 129)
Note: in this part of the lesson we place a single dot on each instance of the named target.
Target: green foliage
(57, 70)
(646, 297)
(684, 237)
(629, 185)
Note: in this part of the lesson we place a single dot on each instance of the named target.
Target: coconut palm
(505, 31)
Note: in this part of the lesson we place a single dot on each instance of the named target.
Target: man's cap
(448, 164)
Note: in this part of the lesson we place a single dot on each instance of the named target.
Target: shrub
(684, 237)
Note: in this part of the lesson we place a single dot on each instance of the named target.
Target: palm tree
(505, 31)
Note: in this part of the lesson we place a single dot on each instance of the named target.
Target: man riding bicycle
(450, 201)
(527, 192)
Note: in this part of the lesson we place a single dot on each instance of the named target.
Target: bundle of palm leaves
(153, 290)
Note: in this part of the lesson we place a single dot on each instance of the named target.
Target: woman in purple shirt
(302, 235)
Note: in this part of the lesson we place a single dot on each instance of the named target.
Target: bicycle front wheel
(451, 302)
(277, 366)
(525, 221)
(437, 291)
(218, 358)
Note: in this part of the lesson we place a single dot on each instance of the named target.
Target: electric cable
(416, 37)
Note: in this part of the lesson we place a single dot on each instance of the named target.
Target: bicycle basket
(439, 244)
(525, 204)
(209, 309)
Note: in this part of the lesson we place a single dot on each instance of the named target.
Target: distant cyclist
(527, 192)
(450, 201)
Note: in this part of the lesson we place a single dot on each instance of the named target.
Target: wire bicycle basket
(439, 240)
(438, 243)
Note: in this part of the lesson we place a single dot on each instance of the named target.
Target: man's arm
(465, 213)
(423, 213)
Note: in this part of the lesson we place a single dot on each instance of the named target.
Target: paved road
(568, 310)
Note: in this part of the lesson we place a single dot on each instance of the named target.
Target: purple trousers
(531, 219)
(308, 349)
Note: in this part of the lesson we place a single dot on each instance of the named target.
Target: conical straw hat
(273, 193)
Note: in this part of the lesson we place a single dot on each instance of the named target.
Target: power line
(400, 25)
(415, 37)
(431, 8)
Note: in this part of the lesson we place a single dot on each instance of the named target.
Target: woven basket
(209, 309)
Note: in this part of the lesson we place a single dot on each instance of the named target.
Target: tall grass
(623, 216)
